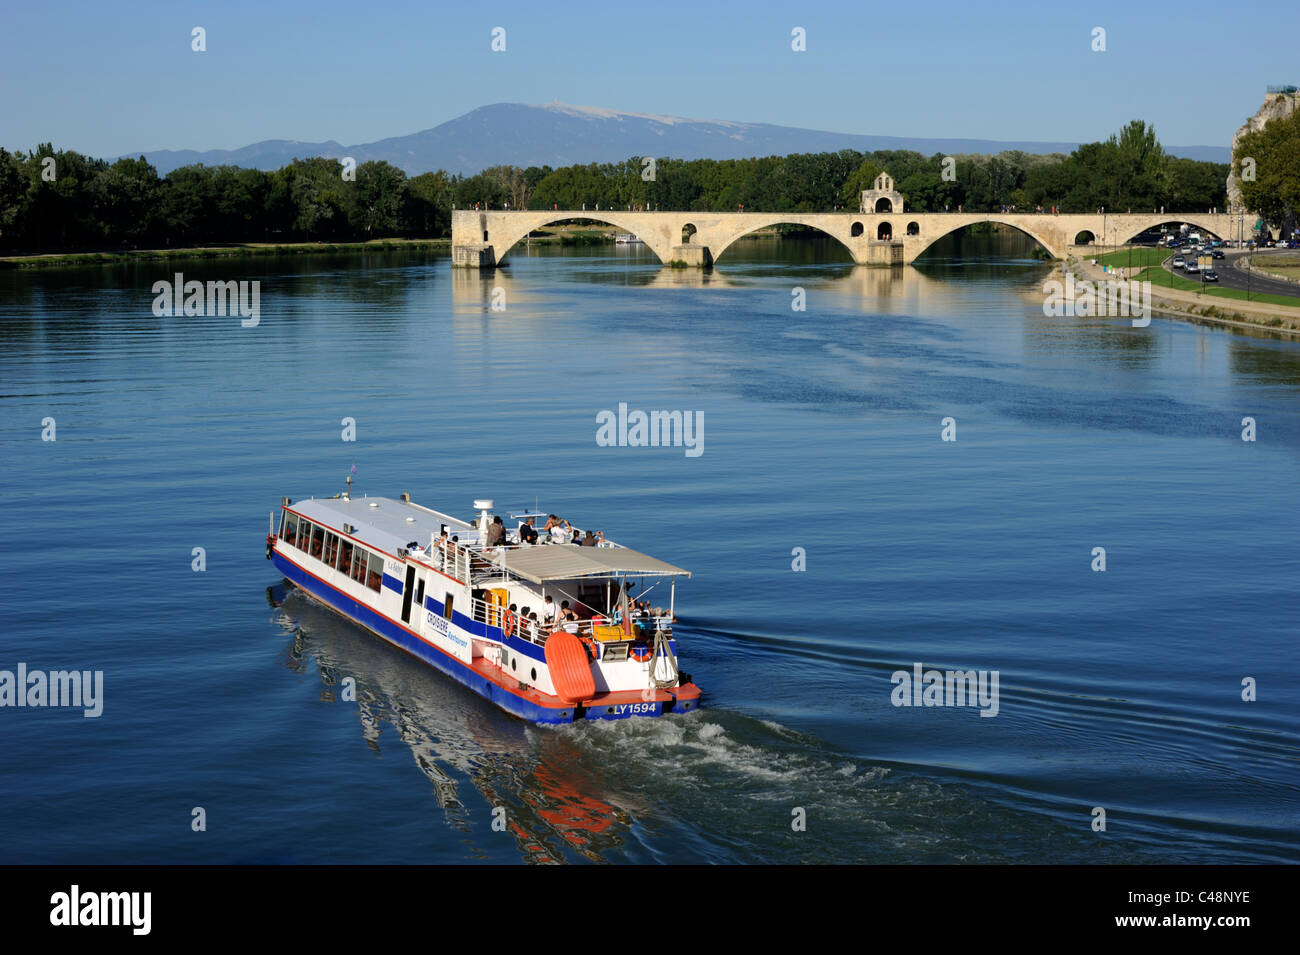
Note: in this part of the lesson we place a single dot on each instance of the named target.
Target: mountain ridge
(559, 134)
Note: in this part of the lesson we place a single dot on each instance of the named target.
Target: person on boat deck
(559, 529)
(496, 535)
(527, 533)
(577, 537)
(548, 611)
(532, 626)
(591, 539)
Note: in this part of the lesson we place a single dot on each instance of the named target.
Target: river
(1119, 690)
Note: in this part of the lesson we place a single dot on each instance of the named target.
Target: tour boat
(430, 584)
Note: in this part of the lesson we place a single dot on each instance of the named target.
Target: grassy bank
(1283, 265)
(69, 259)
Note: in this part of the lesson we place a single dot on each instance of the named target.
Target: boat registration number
(634, 708)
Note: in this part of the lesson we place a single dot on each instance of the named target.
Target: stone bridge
(483, 239)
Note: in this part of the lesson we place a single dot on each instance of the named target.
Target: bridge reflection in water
(476, 758)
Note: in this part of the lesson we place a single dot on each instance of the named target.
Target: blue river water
(1119, 690)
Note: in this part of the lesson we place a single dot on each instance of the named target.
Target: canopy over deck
(569, 561)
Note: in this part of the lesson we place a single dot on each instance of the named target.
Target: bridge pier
(691, 256)
(473, 256)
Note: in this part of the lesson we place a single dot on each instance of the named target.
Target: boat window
(375, 572)
(446, 607)
(317, 540)
(345, 557)
(419, 592)
(331, 547)
(360, 561)
(291, 528)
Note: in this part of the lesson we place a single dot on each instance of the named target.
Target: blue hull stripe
(445, 662)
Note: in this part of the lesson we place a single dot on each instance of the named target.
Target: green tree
(1275, 191)
(375, 200)
(860, 180)
(13, 199)
(126, 196)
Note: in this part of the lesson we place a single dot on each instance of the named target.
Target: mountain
(559, 135)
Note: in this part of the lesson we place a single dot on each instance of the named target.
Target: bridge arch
(1165, 219)
(719, 244)
(1041, 237)
(505, 231)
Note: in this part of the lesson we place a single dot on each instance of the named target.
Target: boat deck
(690, 692)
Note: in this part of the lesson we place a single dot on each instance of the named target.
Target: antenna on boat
(347, 495)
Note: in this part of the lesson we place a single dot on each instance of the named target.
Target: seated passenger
(592, 539)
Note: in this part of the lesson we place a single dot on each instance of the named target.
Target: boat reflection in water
(456, 737)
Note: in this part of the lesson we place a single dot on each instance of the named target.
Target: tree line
(63, 200)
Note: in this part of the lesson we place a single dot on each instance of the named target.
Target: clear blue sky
(111, 78)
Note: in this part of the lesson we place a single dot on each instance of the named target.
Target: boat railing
(598, 627)
(447, 557)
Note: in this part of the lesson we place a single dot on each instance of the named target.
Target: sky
(121, 77)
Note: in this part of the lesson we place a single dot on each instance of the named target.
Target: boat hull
(479, 676)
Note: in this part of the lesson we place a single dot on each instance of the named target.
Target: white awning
(568, 561)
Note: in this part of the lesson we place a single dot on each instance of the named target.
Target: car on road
(1191, 266)
(1209, 275)
(1217, 254)
(1179, 261)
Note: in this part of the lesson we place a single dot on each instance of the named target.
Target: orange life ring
(509, 627)
(641, 652)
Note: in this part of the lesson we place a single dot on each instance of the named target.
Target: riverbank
(74, 259)
(1201, 308)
